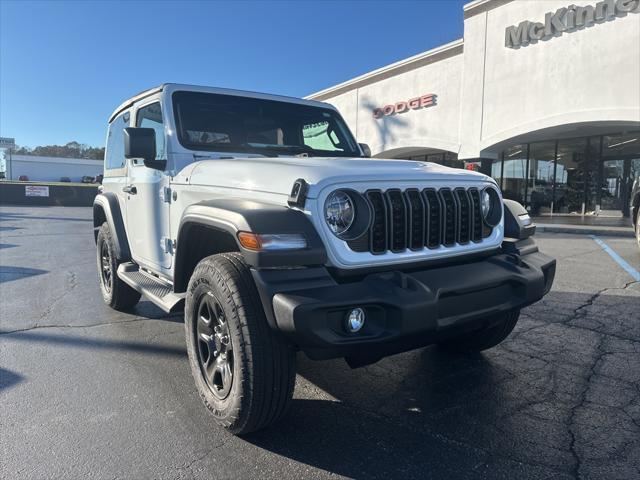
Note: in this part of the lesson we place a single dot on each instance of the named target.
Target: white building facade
(544, 95)
(51, 169)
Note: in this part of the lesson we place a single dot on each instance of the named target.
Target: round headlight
(491, 207)
(339, 212)
(486, 203)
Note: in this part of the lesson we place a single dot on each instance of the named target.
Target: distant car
(23, 178)
(2, 176)
(65, 179)
(87, 179)
(634, 208)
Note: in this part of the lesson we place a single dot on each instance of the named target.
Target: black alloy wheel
(215, 350)
(244, 369)
(105, 267)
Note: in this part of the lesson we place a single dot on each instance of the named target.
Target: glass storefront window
(435, 158)
(496, 170)
(570, 176)
(587, 175)
(540, 180)
(613, 186)
(635, 169)
(514, 173)
(621, 145)
(451, 160)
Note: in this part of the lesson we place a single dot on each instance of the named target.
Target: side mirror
(366, 151)
(141, 143)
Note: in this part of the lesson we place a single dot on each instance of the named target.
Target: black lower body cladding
(403, 310)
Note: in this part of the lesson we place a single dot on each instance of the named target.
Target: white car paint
(195, 176)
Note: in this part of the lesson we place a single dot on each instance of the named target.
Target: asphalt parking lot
(86, 392)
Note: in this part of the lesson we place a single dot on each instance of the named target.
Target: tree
(70, 150)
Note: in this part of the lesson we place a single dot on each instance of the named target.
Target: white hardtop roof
(169, 88)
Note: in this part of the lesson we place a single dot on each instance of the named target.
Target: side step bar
(159, 292)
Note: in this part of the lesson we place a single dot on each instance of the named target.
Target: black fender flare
(233, 215)
(517, 222)
(106, 208)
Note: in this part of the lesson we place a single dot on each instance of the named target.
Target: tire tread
(122, 296)
(267, 361)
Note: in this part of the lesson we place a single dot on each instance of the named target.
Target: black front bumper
(404, 310)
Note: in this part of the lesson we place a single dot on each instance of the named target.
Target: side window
(150, 116)
(320, 136)
(114, 157)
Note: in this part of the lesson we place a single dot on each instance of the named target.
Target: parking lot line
(619, 260)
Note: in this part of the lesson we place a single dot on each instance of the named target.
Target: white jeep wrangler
(263, 219)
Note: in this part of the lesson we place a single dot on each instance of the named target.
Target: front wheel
(486, 338)
(244, 370)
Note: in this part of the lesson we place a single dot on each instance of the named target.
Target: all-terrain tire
(486, 338)
(115, 292)
(638, 227)
(263, 362)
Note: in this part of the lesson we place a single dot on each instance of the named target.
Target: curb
(586, 230)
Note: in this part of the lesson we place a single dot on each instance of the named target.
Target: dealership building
(542, 95)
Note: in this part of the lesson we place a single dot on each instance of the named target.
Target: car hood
(277, 175)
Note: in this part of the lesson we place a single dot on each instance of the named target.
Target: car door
(115, 165)
(147, 199)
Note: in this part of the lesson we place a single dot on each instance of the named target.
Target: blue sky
(65, 65)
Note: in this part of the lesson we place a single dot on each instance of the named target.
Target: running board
(159, 292)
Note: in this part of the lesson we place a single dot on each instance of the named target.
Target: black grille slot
(476, 209)
(417, 219)
(450, 217)
(378, 237)
(361, 244)
(434, 218)
(398, 220)
(414, 219)
(464, 204)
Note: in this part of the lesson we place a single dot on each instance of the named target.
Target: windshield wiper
(294, 149)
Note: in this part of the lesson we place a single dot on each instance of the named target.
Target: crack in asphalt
(69, 286)
(93, 325)
(582, 396)
(209, 451)
(579, 312)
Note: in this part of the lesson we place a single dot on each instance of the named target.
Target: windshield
(207, 121)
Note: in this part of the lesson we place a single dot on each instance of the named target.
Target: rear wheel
(638, 227)
(485, 338)
(115, 292)
(244, 370)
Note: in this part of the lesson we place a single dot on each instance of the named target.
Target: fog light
(355, 320)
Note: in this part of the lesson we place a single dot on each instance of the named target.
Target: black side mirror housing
(141, 143)
(366, 151)
(517, 222)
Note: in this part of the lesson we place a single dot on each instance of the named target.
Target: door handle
(130, 189)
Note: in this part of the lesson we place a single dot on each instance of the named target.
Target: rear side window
(114, 157)
(150, 116)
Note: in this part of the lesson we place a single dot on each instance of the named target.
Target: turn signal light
(269, 242)
(250, 241)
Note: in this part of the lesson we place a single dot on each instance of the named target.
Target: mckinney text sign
(567, 20)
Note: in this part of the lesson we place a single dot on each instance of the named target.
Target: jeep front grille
(416, 219)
